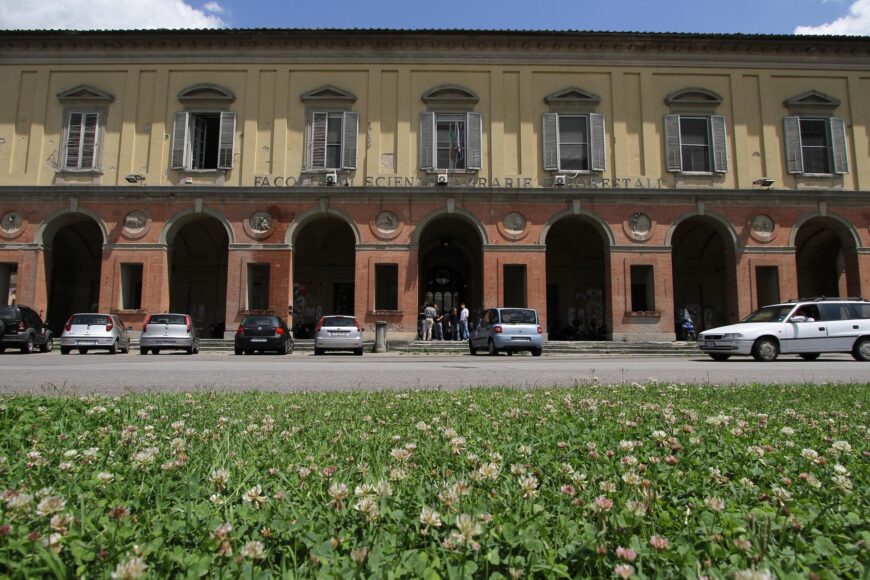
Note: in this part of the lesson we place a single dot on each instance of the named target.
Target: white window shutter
(720, 143)
(72, 148)
(90, 144)
(598, 150)
(838, 145)
(673, 144)
(350, 135)
(427, 141)
(793, 149)
(549, 128)
(317, 148)
(180, 141)
(474, 144)
(227, 140)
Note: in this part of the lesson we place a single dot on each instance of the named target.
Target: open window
(203, 136)
(332, 130)
(451, 134)
(573, 133)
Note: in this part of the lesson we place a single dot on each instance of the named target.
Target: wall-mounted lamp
(135, 178)
(764, 182)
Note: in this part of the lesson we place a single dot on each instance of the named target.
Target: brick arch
(596, 221)
(54, 221)
(180, 219)
(305, 217)
(724, 226)
(845, 230)
(457, 212)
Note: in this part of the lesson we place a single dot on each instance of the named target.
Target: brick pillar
(627, 325)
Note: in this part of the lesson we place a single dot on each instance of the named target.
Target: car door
(808, 336)
(844, 325)
(480, 334)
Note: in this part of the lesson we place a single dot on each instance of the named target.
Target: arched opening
(821, 249)
(451, 265)
(73, 256)
(198, 273)
(703, 270)
(324, 262)
(576, 280)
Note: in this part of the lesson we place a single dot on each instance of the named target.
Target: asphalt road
(102, 373)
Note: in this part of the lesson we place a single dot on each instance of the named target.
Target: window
(767, 285)
(258, 286)
(450, 141)
(8, 282)
(515, 285)
(642, 289)
(695, 143)
(81, 142)
(386, 286)
(131, 286)
(203, 140)
(332, 140)
(573, 142)
(816, 145)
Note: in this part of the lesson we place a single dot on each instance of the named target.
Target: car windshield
(90, 319)
(518, 316)
(168, 319)
(261, 321)
(8, 313)
(339, 321)
(770, 313)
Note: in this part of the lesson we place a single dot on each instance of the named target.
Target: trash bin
(380, 336)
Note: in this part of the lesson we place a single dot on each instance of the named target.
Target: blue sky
(744, 16)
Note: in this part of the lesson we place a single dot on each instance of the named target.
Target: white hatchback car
(806, 328)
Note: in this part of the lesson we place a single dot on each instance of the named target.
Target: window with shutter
(696, 143)
(82, 140)
(815, 145)
(203, 140)
(574, 142)
(332, 141)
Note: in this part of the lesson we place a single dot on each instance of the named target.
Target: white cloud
(106, 15)
(855, 23)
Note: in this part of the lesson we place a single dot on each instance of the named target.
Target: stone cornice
(247, 46)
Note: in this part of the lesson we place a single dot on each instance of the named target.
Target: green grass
(649, 480)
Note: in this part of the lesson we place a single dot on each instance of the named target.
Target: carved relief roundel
(11, 223)
(260, 222)
(514, 223)
(762, 228)
(639, 226)
(387, 222)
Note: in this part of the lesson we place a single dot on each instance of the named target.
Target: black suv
(21, 327)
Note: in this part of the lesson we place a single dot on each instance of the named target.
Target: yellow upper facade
(266, 108)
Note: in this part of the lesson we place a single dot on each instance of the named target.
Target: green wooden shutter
(227, 140)
(474, 145)
(720, 143)
(549, 131)
(180, 138)
(838, 145)
(598, 151)
(673, 144)
(350, 126)
(317, 143)
(793, 151)
(427, 141)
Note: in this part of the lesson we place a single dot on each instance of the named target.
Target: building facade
(612, 181)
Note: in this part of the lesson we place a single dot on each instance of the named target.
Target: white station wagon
(806, 328)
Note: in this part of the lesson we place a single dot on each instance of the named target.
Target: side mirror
(798, 319)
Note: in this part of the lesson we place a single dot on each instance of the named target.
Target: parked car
(92, 331)
(168, 331)
(263, 333)
(509, 330)
(336, 332)
(806, 328)
(21, 327)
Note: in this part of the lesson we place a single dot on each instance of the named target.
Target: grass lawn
(646, 481)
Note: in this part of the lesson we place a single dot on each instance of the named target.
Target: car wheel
(358, 352)
(719, 356)
(318, 351)
(765, 349)
(861, 350)
(64, 350)
(290, 346)
(189, 350)
(491, 348)
(83, 351)
(155, 351)
(249, 351)
(27, 347)
(48, 346)
(537, 351)
(471, 348)
(114, 348)
(809, 355)
(143, 351)
(196, 347)
(237, 351)
(510, 353)
(2, 349)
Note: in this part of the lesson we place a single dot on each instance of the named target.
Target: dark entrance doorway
(198, 274)
(73, 258)
(703, 269)
(821, 248)
(576, 280)
(324, 271)
(451, 265)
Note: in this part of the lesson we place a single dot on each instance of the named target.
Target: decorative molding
(85, 93)
(443, 94)
(243, 247)
(514, 248)
(328, 93)
(812, 100)
(694, 96)
(206, 92)
(572, 96)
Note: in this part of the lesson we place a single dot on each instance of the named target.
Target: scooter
(686, 329)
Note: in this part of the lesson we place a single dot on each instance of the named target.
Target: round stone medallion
(260, 222)
(639, 226)
(514, 223)
(11, 223)
(386, 225)
(761, 228)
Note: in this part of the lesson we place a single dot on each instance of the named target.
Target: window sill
(644, 314)
(324, 171)
(127, 311)
(451, 171)
(819, 175)
(385, 313)
(200, 171)
(699, 173)
(79, 172)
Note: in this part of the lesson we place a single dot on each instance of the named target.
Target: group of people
(435, 325)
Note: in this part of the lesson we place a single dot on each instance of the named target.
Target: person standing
(453, 324)
(430, 320)
(438, 327)
(463, 322)
(421, 323)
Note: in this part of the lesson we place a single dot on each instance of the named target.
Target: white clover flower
(398, 474)
(430, 518)
(489, 471)
(383, 489)
(220, 478)
(368, 507)
(105, 477)
(787, 431)
(50, 505)
(529, 485)
(19, 502)
(840, 470)
(841, 446)
(525, 450)
(255, 497)
(715, 504)
(810, 454)
(130, 569)
(217, 499)
(467, 527)
(71, 453)
(254, 550)
(753, 575)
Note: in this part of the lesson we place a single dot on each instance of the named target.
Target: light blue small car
(509, 330)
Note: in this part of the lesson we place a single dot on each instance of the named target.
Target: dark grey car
(22, 328)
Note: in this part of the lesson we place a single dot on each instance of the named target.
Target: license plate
(711, 343)
(258, 340)
(339, 333)
(86, 342)
(525, 338)
(166, 342)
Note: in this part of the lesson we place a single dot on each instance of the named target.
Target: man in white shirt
(430, 320)
(463, 322)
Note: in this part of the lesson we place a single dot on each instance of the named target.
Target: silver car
(168, 332)
(509, 330)
(338, 333)
(90, 331)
